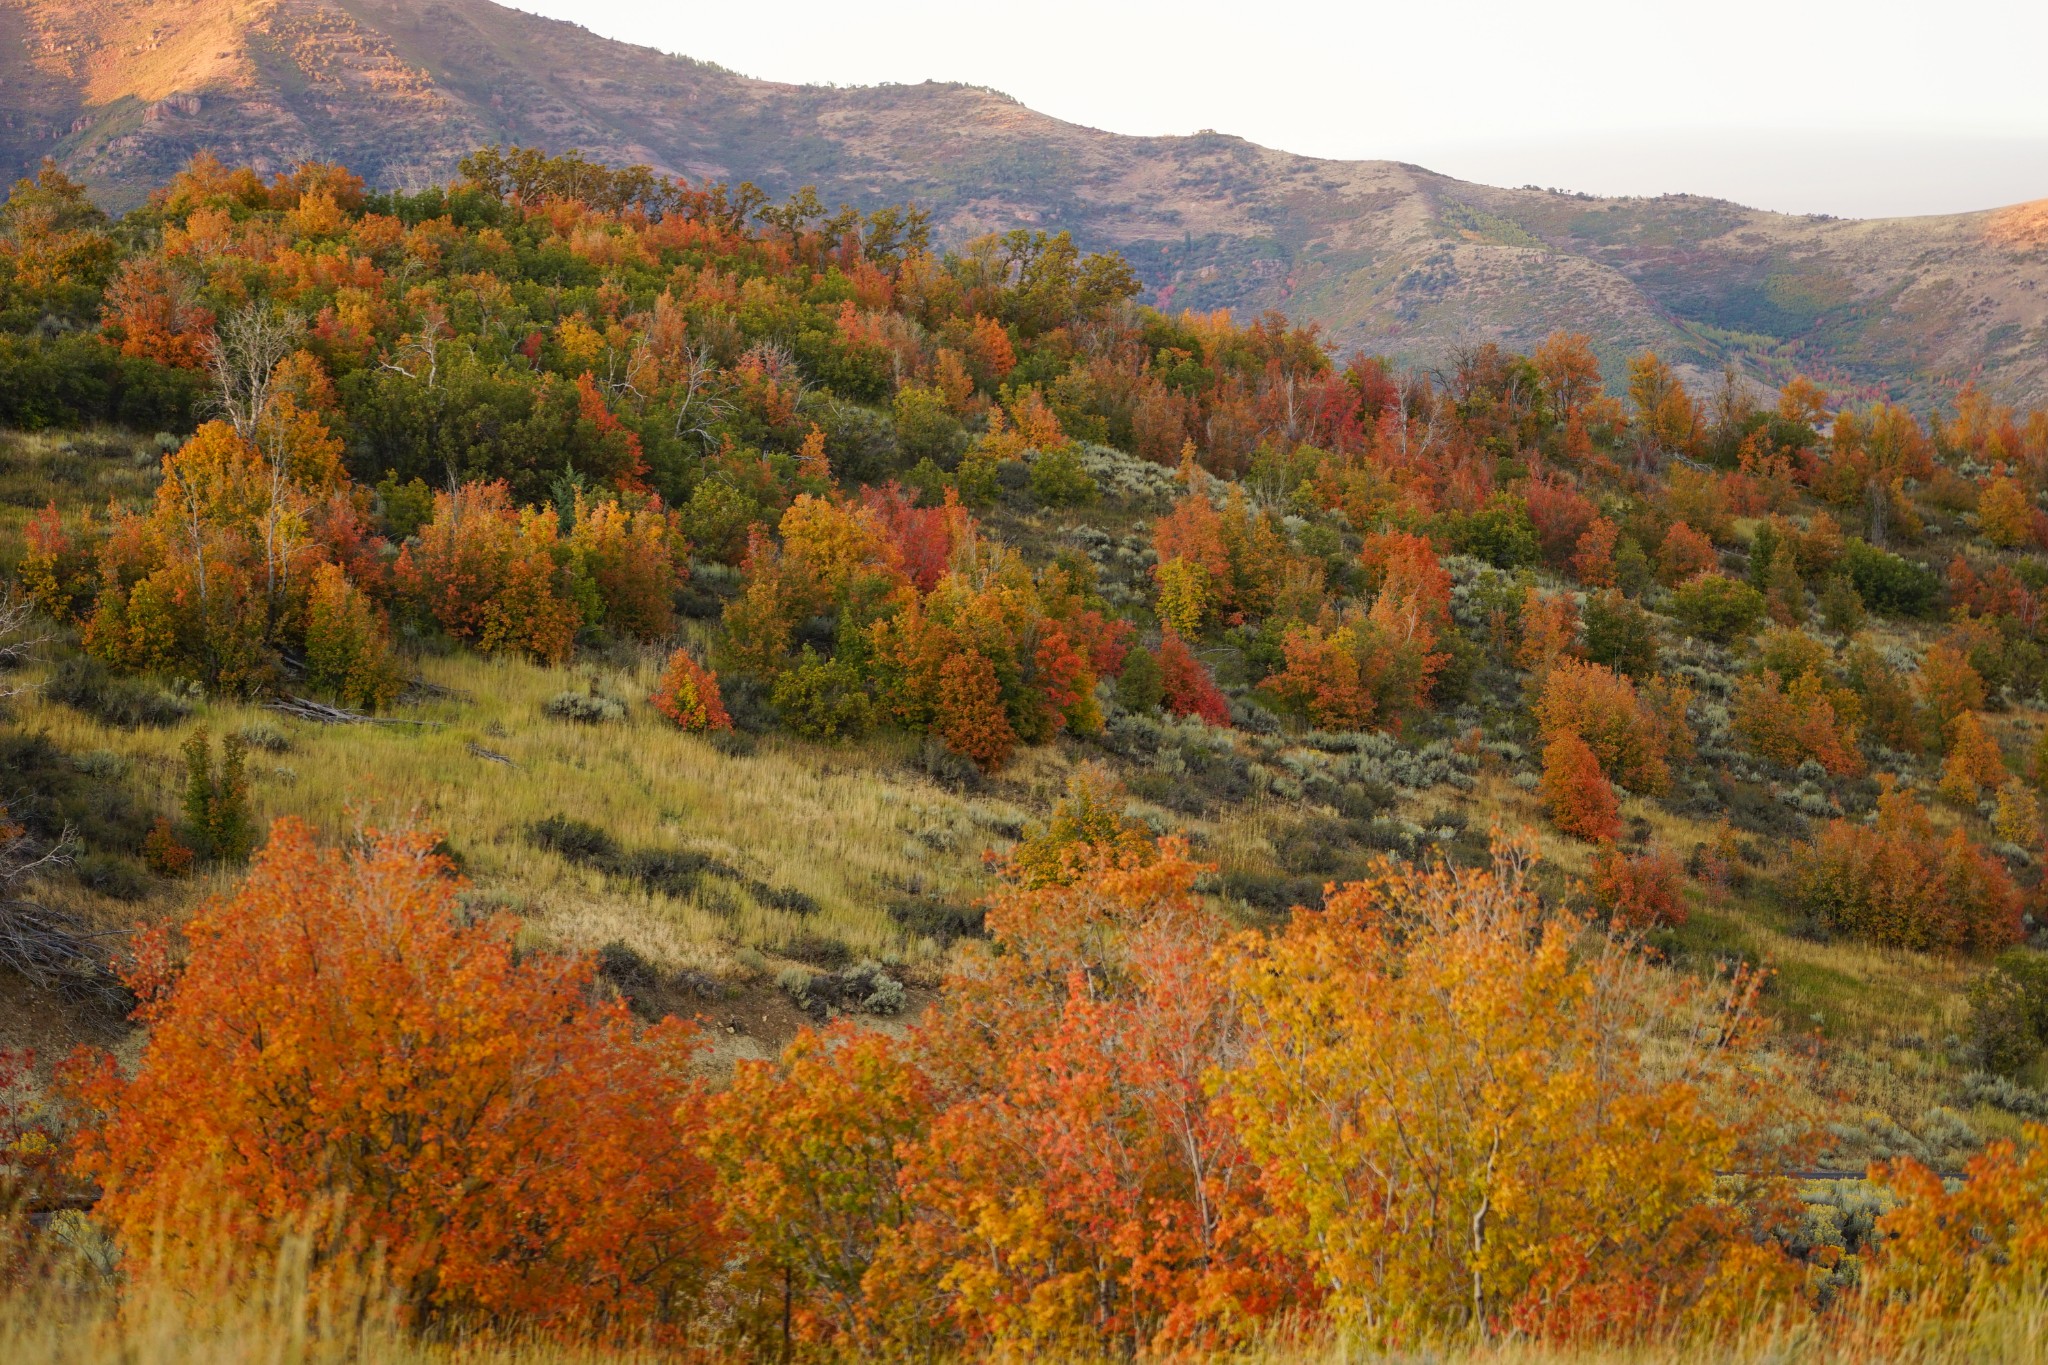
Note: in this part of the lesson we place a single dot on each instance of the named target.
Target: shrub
(1385, 1032)
(586, 708)
(1791, 725)
(1949, 686)
(1501, 533)
(1621, 635)
(1186, 686)
(340, 1032)
(1888, 583)
(1973, 761)
(1577, 794)
(2009, 1012)
(1603, 708)
(1841, 607)
(1640, 892)
(823, 698)
(1141, 686)
(125, 703)
(1898, 885)
(1685, 554)
(688, 695)
(163, 852)
(1715, 607)
(2018, 819)
(1058, 480)
(348, 650)
(969, 711)
(2005, 515)
(217, 799)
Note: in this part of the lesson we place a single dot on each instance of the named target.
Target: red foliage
(1899, 885)
(1561, 515)
(1187, 687)
(1640, 892)
(1685, 552)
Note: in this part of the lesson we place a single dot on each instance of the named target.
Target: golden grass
(850, 827)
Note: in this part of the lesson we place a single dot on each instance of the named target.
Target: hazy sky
(1854, 107)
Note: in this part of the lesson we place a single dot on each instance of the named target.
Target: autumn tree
(1463, 1126)
(1901, 885)
(342, 1039)
(688, 695)
(1577, 794)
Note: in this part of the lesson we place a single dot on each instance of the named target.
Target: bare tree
(17, 642)
(243, 357)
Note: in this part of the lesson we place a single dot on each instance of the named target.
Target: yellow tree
(1470, 1114)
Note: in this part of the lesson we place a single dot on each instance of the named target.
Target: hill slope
(1389, 257)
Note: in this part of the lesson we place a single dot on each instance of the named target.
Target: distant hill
(1387, 256)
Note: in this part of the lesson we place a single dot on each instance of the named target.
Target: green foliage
(926, 428)
(405, 506)
(2009, 1012)
(1888, 583)
(1058, 480)
(217, 799)
(1501, 533)
(1841, 607)
(824, 698)
(75, 380)
(1718, 608)
(1141, 686)
(1621, 635)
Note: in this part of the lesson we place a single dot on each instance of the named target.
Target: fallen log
(321, 713)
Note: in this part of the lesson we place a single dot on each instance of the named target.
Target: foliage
(1460, 1125)
(1899, 885)
(1578, 796)
(1185, 685)
(688, 695)
(1715, 607)
(340, 1033)
(217, 798)
(1642, 891)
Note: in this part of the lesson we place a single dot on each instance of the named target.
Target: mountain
(1387, 256)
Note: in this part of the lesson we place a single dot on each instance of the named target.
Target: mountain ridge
(1387, 256)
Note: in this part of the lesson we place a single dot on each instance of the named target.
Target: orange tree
(340, 1039)
(1077, 1189)
(1472, 1114)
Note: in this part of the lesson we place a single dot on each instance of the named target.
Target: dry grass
(851, 828)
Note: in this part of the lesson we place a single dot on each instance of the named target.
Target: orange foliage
(688, 695)
(1577, 794)
(1949, 685)
(1685, 552)
(489, 574)
(342, 1033)
(1899, 885)
(1641, 892)
(1630, 740)
(1949, 1245)
(1791, 725)
(1973, 761)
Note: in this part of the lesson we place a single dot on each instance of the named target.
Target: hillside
(1282, 852)
(1389, 258)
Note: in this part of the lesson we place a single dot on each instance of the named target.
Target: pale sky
(1852, 107)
